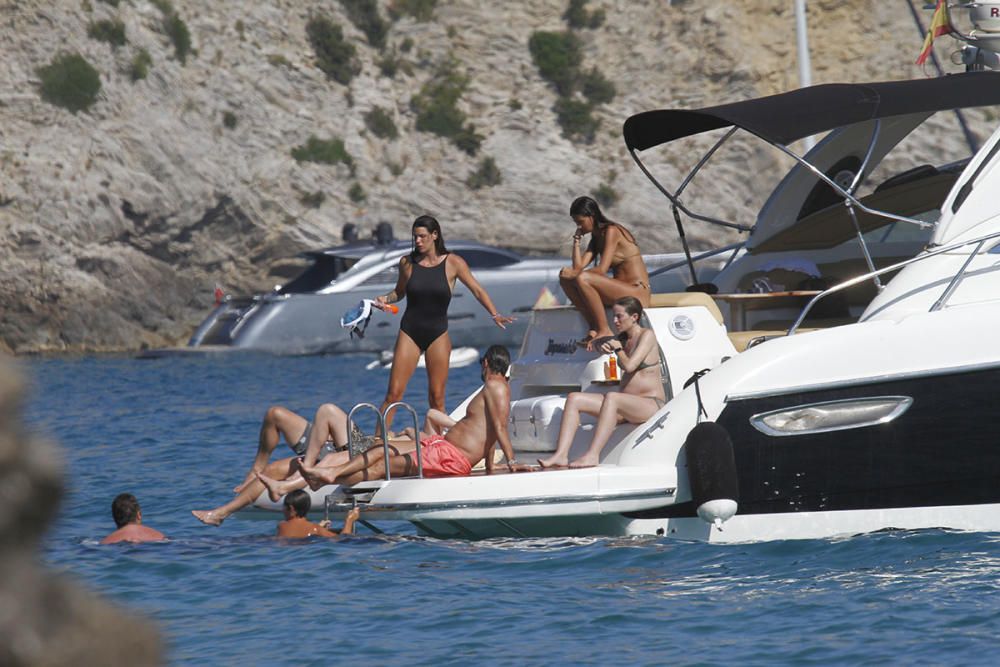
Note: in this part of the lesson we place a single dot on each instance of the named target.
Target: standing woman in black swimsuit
(426, 278)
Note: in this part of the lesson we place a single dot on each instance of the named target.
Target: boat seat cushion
(682, 299)
(535, 423)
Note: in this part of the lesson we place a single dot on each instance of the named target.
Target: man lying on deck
(323, 440)
(314, 440)
(467, 442)
(326, 434)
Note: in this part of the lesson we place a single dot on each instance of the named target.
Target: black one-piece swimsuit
(427, 297)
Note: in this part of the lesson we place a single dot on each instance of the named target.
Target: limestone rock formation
(118, 221)
(45, 619)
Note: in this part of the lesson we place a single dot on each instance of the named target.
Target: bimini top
(787, 117)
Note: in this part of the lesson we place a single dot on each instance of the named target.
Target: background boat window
(484, 259)
(324, 270)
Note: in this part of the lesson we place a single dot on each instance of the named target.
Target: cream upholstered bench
(740, 339)
(681, 299)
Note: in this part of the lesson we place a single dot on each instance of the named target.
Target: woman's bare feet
(209, 517)
(600, 338)
(587, 340)
(276, 488)
(316, 477)
(553, 462)
(585, 461)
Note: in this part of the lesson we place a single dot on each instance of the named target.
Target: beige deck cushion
(682, 299)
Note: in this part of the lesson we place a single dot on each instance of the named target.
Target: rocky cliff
(118, 219)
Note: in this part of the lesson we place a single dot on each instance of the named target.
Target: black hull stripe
(944, 451)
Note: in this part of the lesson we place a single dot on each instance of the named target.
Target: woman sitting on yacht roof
(611, 248)
(640, 396)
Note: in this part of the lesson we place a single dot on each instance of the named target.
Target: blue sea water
(180, 432)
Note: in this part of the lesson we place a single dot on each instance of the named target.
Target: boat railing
(380, 424)
(953, 284)
(734, 247)
(352, 447)
(416, 438)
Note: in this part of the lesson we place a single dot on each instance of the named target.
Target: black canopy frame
(787, 117)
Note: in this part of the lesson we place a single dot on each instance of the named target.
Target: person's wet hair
(299, 501)
(124, 509)
(631, 305)
(497, 359)
(587, 206)
(429, 223)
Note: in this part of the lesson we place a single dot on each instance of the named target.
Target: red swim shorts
(443, 459)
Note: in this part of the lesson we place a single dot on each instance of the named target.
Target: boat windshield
(323, 271)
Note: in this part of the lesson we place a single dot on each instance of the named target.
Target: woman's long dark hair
(429, 223)
(589, 207)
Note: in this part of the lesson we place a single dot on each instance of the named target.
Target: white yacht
(878, 414)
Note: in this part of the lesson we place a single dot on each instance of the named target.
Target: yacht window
(323, 271)
(485, 259)
(831, 415)
(903, 232)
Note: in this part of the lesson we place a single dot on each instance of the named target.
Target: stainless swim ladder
(380, 421)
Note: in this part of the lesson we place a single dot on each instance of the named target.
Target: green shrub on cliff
(575, 119)
(558, 56)
(487, 175)
(313, 199)
(334, 55)
(70, 82)
(596, 88)
(437, 113)
(605, 195)
(178, 33)
(357, 193)
(577, 16)
(323, 151)
(421, 10)
(110, 31)
(139, 67)
(381, 124)
(365, 17)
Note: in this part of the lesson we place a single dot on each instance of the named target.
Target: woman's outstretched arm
(464, 273)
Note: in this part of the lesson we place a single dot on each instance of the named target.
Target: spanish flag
(939, 26)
